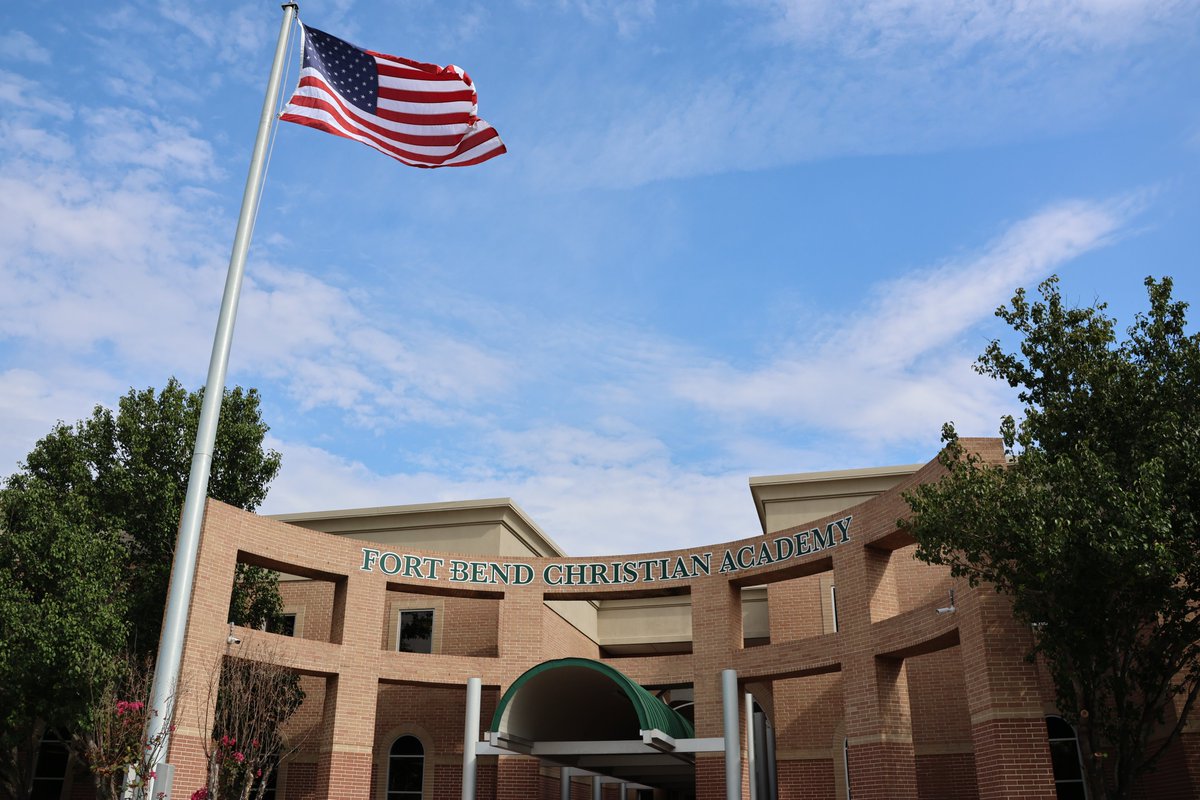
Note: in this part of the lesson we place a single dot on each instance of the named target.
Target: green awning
(652, 713)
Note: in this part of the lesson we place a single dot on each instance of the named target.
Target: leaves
(1092, 528)
(86, 541)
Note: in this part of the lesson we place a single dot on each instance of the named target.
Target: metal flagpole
(183, 569)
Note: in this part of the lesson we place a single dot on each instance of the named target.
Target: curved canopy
(577, 699)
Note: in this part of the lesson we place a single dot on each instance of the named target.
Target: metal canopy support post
(564, 783)
(772, 767)
(733, 739)
(597, 787)
(470, 738)
(187, 544)
(751, 761)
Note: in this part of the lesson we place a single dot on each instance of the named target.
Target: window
(415, 633)
(270, 788)
(406, 769)
(1064, 756)
(846, 764)
(288, 625)
(51, 769)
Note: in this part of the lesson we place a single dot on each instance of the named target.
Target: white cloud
(898, 367)
(22, 95)
(20, 46)
(593, 492)
(31, 402)
(872, 77)
(123, 136)
(872, 27)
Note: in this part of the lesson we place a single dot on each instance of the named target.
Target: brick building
(817, 660)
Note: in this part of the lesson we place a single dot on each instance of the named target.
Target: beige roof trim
(499, 510)
(828, 484)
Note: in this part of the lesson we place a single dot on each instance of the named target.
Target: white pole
(751, 761)
(733, 739)
(596, 788)
(772, 769)
(470, 737)
(183, 569)
(564, 783)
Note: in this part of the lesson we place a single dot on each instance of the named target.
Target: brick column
(348, 731)
(517, 778)
(1008, 728)
(203, 648)
(716, 634)
(875, 690)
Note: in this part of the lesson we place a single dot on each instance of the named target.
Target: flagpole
(183, 569)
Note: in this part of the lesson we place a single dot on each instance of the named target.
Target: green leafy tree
(1092, 526)
(131, 468)
(62, 617)
(89, 528)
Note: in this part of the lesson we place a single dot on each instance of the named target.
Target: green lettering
(844, 526)
(791, 548)
(369, 558)
(823, 540)
(389, 563)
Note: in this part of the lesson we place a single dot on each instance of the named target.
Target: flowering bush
(114, 746)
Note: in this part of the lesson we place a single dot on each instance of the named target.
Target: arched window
(406, 769)
(50, 772)
(1064, 755)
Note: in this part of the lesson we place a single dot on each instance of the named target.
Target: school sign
(609, 573)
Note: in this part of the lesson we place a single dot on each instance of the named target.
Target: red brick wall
(947, 776)
(1177, 772)
(561, 639)
(313, 602)
(794, 608)
(808, 779)
(300, 782)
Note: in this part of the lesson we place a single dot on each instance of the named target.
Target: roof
(652, 712)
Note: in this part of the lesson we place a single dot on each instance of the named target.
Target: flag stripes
(420, 114)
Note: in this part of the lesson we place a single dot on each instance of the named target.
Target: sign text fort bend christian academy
(598, 573)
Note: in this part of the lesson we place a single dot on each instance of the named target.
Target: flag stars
(350, 71)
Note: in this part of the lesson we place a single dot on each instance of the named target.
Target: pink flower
(152, 774)
(200, 794)
(238, 757)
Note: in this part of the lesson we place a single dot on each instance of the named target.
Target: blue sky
(729, 238)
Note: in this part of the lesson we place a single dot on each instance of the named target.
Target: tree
(111, 741)
(1091, 527)
(61, 619)
(86, 541)
(131, 469)
(255, 697)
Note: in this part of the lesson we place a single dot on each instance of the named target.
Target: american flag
(420, 114)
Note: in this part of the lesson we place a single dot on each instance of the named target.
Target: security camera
(950, 609)
(232, 638)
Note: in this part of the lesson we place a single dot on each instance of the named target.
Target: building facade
(853, 670)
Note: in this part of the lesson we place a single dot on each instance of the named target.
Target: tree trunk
(1093, 766)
